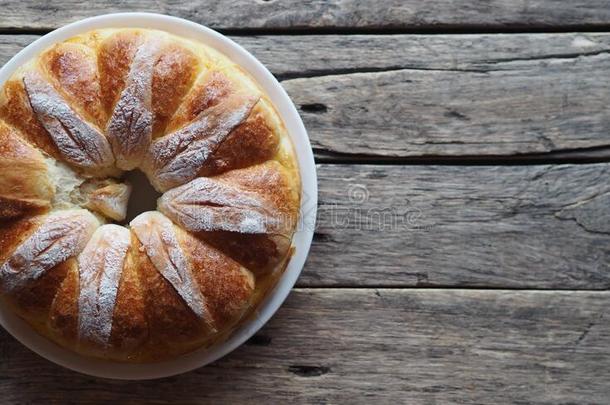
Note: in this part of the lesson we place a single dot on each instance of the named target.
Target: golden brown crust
(210, 91)
(73, 71)
(25, 187)
(174, 73)
(129, 324)
(35, 299)
(14, 231)
(79, 142)
(114, 58)
(15, 208)
(23, 169)
(272, 181)
(260, 253)
(63, 318)
(177, 157)
(171, 322)
(16, 110)
(226, 286)
(251, 143)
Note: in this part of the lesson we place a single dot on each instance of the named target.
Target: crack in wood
(587, 330)
(563, 156)
(579, 213)
(584, 333)
(259, 340)
(557, 56)
(314, 108)
(483, 66)
(440, 29)
(309, 371)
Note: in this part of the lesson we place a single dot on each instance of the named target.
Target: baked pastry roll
(79, 116)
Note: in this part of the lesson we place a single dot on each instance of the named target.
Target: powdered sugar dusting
(206, 204)
(80, 143)
(62, 235)
(130, 126)
(177, 158)
(157, 235)
(100, 266)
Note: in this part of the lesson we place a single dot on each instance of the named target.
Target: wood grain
(441, 97)
(414, 346)
(489, 226)
(408, 15)
(522, 107)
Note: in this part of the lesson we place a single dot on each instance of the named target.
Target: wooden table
(463, 243)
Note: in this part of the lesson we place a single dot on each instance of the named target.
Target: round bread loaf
(73, 121)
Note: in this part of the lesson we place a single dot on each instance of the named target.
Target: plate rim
(302, 239)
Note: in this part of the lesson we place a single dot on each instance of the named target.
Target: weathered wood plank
(408, 15)
(318, 55)
(442, 96)
(336, 54)
(518, 107)
(492, 226)
(11, 44)
(414, 346)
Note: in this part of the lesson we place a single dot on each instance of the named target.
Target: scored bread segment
(25, 186)
(260, 202)
(157, 236)
(253, 141)
(175, 71)
(15, 110)
(100, 266)
(115, 53)
(73, 70)
(210, 89)
(214, 209)
(226, 285)
(79, 142)
(177, 158)
(131, 123)
(62, 235)
(206, 204)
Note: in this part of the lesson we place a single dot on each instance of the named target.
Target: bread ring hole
(143, 195)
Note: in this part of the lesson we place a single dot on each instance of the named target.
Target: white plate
(302, 238)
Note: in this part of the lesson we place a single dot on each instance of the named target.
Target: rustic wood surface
(462, 248)
(489, 226)
(377, 346)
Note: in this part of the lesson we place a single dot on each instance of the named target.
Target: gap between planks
(445, 30)
(423, 287)
(570, 156)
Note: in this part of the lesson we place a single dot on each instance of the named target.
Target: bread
(78, 116)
